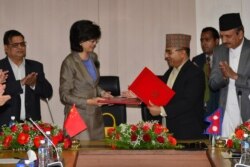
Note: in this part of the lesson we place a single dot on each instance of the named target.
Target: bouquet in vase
(242, 132)
(144, 135)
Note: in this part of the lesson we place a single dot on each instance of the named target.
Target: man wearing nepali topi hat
(231, 73)
(184, 113)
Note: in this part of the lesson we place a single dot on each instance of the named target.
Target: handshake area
(147, 87)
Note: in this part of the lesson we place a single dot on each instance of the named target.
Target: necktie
(208, 66)
(207, 70)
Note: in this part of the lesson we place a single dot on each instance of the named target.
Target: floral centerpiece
(144, 135)
(25, 136)
(240, 133)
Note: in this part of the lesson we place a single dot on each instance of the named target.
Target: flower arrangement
(240, 133)
(144, 135)
(25, 136)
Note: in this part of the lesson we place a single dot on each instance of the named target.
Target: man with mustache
(231, 73)
(184, 112)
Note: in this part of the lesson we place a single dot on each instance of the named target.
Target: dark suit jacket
(213, 102)
(43, 89)
(185, 110)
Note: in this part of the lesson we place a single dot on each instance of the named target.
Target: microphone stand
(56, 163)
(51, 116)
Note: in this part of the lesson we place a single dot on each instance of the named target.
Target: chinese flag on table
(74, 123)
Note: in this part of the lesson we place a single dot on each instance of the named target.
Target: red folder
(147, 86)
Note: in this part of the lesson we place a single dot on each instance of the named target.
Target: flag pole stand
(212, 137)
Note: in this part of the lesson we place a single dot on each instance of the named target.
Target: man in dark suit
(209, 40)
(184, 113)
(231, 73)
(26, 82)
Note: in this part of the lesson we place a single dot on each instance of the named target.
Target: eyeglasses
(16, 45)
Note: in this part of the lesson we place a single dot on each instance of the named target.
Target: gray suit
(242, 84)
(76, 86)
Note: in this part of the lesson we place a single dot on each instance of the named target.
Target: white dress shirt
(19, 72)
(232, 115)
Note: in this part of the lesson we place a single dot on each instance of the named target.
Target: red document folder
(147, 86)
(122, 100)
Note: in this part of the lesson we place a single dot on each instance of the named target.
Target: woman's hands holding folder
(128, 94)
(97, 101)
(106, 94)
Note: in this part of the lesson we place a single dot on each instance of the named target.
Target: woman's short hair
(81, 31)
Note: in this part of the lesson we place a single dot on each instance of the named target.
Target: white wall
(133, 34)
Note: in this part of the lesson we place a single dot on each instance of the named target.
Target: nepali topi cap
(178, 40)
(229, 21)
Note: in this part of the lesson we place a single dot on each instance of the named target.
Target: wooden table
(97, 154)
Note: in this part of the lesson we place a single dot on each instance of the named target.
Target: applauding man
(25, 81)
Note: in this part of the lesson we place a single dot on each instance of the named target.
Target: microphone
(56, 163)
(239, 96)
(51, 116)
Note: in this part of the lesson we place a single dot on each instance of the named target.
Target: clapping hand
(30, 79)
(227, 71)
(3, 76)
(3, 98)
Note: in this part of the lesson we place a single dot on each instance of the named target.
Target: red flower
(7, 141)
(229, 143)
(145, 128)
(37, 140)
(172, 140)
(133, 137)
(110, 131)
(113, 146)
(46, 127)
(55, 140)
(247, 125)
(67, 143)
(117, 136)
(14, 128)
(146, 137)
(239, 133)
(158, 129)
(160, 139)
(133, 128)
(26, 128)
(23, 138)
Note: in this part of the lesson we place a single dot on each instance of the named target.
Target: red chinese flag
(74, 123)
(148, 87)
